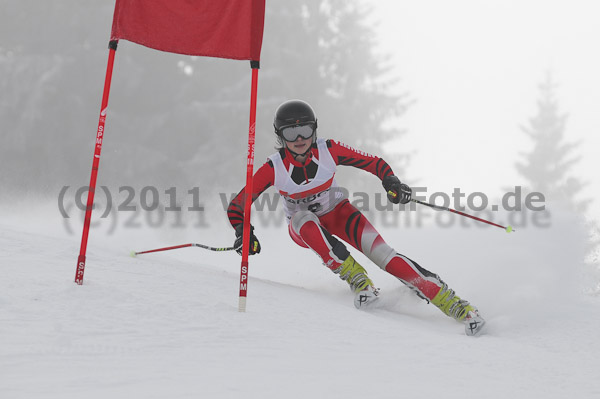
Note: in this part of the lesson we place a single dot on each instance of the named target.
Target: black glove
(254, 244)
(396, 192)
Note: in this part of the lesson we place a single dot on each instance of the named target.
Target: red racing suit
(318, 213)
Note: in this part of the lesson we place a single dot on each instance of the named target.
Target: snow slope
(166, 325)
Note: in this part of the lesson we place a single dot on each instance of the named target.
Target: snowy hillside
(166, 325)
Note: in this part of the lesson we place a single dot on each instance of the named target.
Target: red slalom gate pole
(248, 191)
(112, 45)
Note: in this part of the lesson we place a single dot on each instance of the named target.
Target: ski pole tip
(133, 254)
(509, 229)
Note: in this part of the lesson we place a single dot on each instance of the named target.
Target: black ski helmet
(294, 113)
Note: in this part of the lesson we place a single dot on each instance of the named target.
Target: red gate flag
(212, 28)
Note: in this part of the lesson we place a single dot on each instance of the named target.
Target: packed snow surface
(167, 325)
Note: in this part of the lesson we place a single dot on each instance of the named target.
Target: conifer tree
(548, 166)
(171, 116)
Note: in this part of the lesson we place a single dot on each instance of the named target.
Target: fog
(176, 133)
(487, 107)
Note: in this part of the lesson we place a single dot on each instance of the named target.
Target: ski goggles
(291, 133)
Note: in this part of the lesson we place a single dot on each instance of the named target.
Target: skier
(319, 215)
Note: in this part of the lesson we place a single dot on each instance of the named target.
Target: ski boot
(366, 297)
(356, 277)
(459, 309)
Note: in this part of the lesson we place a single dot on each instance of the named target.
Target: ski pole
(443, 208)
(133, 253)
